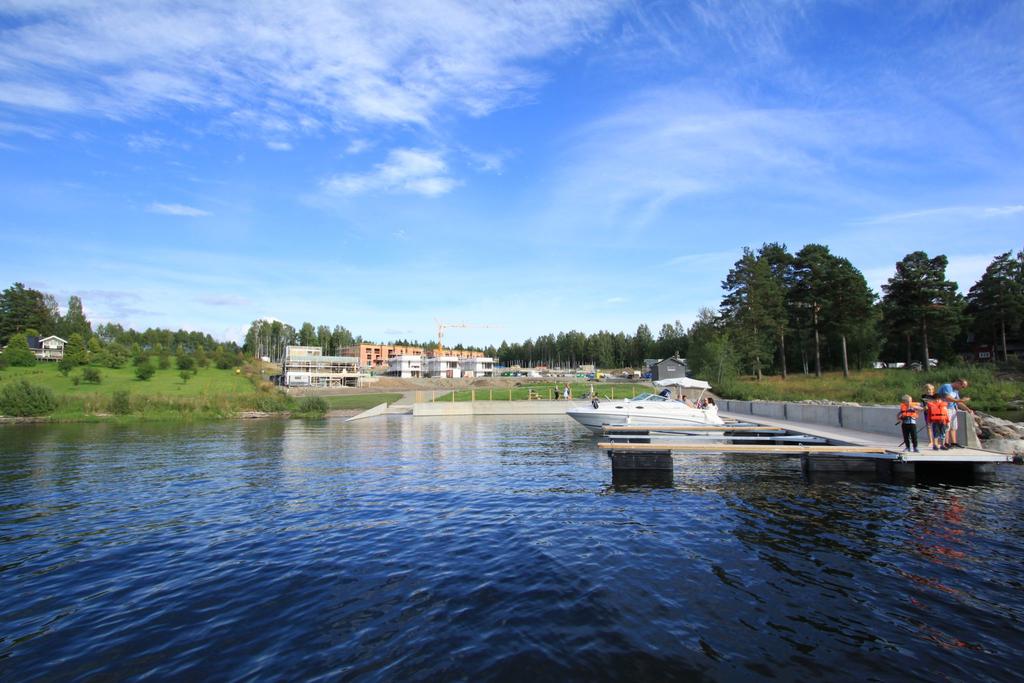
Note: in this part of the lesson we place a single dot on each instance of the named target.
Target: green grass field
(987, 390)
(163, 383)
(210, 393)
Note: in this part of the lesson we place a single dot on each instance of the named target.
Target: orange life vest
(908, 411)
(937, 412)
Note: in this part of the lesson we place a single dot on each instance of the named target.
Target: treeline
(269, 337)
(28, 312)
(814, 311)
(604, 349)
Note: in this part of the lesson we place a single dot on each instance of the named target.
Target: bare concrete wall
(447, 408)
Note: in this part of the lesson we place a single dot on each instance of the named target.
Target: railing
(533, 393)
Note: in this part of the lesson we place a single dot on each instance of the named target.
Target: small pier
(825, 451)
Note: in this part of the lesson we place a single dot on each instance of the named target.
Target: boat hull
(615, 414)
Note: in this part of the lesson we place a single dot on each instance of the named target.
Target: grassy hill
(211, 393)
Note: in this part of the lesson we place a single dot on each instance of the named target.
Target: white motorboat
(648, 410)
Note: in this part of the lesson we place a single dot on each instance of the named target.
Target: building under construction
(306, 366)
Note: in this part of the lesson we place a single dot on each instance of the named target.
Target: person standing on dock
(954, 402)
(908, 422)
(566, 393)
(926, 398)
(938, 420)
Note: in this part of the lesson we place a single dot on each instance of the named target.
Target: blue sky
(530, 166)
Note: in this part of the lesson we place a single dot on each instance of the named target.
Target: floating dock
(823, 449)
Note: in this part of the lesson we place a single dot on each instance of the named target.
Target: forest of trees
(812, 310)
(29, 312)
(269, 337)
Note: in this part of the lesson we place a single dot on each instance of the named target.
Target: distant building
(306, 366)
(47, 348)
(477, 367)
(407, 365)
(669, 368)
(380, 355)
(442, 366)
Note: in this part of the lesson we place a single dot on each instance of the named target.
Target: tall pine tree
(918, 298)
(996, 301)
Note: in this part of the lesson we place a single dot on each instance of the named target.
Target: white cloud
(667, 145)
(959, 212)
(36, 96)
(301, 64)
(145, 142)
(358, 146)
(406, 170)
(229, 300)
(279, 146)
(9, 128)
(176, 210)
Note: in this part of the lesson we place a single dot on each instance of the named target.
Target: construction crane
(441, 327)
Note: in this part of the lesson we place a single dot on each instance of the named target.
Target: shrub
(22, 399)
(76, 380)
(3, 361)
(313, 405)
(165, 361)
(227, 360)
(145, 371)
(186, 362)
(91, 375)
(66, 365)
(113, 356)
(18, 353)
(185, 375)
(120, 403)
(75, 350)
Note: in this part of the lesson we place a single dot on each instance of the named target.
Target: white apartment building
(306, 366)
(477, 367)
(442, 366)
(406, 365)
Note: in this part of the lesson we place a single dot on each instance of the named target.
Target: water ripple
(488, 549)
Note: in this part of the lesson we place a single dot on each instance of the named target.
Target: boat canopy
(684, 382)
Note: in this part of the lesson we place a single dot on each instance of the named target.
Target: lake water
(487, 549)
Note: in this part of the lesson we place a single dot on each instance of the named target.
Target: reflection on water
(496, 548)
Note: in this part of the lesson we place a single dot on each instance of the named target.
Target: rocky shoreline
(1000, 435)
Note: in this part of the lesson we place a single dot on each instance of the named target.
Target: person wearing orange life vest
(938, 418)
(908, 422)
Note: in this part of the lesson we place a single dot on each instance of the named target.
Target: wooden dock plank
(740, 448)
(695, 428)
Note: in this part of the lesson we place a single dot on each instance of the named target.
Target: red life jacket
(908, 412)
(937, 412)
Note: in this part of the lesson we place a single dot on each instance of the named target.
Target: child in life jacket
(938, 418)
(908, 422)
(926, 397)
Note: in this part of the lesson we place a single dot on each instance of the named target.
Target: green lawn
(210, 393)
(359, 401)
(163, 383)
(545, 391)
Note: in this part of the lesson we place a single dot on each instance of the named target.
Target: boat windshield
(650, 397)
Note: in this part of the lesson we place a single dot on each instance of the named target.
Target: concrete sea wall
(448, 408)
